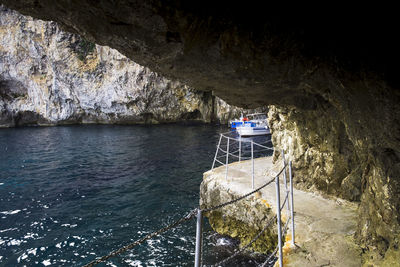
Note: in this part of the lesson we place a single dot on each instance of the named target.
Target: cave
(328, 74)
(11, 89)
(194, 115)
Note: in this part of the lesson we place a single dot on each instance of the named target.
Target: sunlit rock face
(332, 78)
(48, 76)
(321, 144)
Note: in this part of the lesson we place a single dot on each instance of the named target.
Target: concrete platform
(324, 227)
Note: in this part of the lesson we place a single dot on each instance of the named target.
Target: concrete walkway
(324, 227)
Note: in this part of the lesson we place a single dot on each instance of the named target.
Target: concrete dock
(324, 228)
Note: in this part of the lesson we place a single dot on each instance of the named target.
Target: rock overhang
(333, 70)
(248, 54)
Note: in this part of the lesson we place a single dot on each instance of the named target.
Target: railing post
(291, 200)
(240, 147)
(216, 152)
(285, 182)
(252, 166)
(227, 159)
(278, 220)
(199, 237)
(283, 157)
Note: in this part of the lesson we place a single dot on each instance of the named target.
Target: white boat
(257, 124)
(236, 122)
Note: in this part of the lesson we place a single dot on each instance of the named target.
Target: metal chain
(140, 241)
(191, 215)
(270, 257)
(284, 202)
(237, 252)
(244, 196)
(239, 198)
(276, 249)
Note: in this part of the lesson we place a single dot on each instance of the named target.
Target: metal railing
(238, 149)
(288, 202)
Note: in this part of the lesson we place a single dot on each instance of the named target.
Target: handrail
(288, 200)
(239, 151)
(286, 168)
(287, 196)
(238, 154)
(271, 148)
(235, 139)
(222, 150)
(220, 162)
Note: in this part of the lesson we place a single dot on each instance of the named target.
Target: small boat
(253, 124)
(237, 122)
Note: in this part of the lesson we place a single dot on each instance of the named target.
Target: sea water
(70, 194)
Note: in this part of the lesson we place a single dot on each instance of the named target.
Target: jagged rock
(48, 76)
(244, 219)
(340, 70)
(327, 158)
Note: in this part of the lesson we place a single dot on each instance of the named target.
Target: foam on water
(85, 191)
(10, 212)
(46, 262)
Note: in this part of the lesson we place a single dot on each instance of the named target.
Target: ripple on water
(71, 194)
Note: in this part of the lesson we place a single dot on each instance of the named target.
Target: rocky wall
(48, 77)
(328, 159)
(336, 72)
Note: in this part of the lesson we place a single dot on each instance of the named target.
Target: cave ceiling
(248, 54)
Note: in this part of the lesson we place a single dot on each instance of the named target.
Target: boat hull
(235, 124)
(252, 131)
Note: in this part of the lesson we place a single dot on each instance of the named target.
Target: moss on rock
(242, 220)
(242, 231)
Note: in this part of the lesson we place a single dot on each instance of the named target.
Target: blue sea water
(70, 194)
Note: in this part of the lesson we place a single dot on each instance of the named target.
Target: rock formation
(244, 219)
(48, 77)
(333, 79)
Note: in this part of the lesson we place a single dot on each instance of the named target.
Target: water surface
(70, 194)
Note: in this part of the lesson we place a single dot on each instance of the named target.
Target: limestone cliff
(48, 76)
(332, 75)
